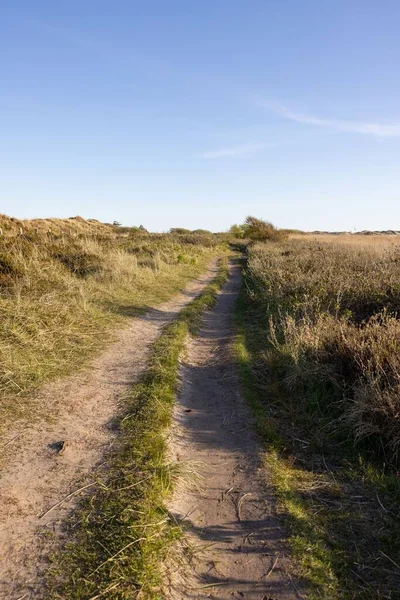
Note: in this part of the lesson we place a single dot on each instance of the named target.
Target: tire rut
(235, 541)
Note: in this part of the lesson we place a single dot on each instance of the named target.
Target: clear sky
(196, 113)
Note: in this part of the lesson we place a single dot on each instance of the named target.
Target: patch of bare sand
(37, 473)
(234, 545)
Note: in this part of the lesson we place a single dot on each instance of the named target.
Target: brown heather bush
(333, 310)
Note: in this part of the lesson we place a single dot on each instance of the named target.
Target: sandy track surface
(37, 472)
(234, 540)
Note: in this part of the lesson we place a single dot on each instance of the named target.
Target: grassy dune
(62, 294)
(319, 342)
(10, 226)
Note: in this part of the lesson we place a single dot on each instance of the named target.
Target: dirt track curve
(234, 540)
(35, 476)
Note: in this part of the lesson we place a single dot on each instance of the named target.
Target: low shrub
(260, 231)
(10, 271)
(80, 263)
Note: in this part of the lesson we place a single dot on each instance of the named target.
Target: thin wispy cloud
(235, 151)
(382, 130)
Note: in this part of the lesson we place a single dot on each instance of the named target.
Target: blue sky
(195, 114)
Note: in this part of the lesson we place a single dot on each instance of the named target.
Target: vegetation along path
(233, 545)
(45, 467)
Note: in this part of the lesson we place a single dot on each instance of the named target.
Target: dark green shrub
(262, 231)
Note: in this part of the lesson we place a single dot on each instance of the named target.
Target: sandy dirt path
(234, 544)
(36, 476)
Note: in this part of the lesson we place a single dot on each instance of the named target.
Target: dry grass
(333, 320)
(319, 353)
(11, 226)
(61, 295)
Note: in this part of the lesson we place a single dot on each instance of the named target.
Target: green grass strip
(121, 531)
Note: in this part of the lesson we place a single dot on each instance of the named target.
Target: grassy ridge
(337, 484)
(61, 295)
(121, 531)
(10, 226)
